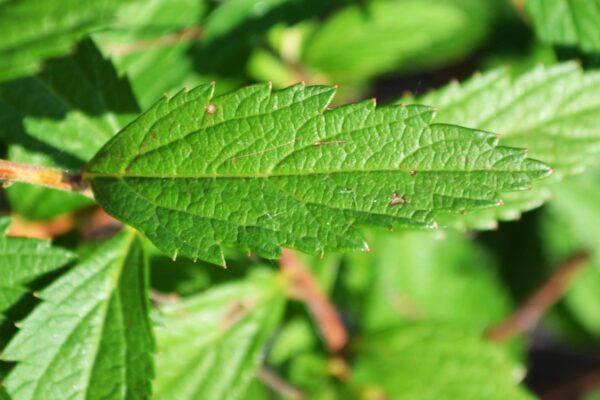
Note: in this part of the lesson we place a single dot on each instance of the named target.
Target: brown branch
(185, 35)
(528, 315)
(43, 176)
(325, 315)
(278, 385)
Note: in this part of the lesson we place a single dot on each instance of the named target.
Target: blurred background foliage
(417, 306)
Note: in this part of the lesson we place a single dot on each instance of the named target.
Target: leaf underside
(259, 169)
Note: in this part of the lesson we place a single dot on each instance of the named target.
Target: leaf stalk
(52, 178)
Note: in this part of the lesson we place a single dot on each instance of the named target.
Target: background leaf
(23, 261)
(210, 345)
(553, 112)
(32, 30)
(151, 43)
(567, 22)
(91, 336)
(420, 361)
(571, 224)
(60, 118)
(404, 269)
(375, 37)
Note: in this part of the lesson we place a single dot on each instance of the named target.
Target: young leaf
(80, 103)
(567, 22)
(210, 345)
(22, 261)
(259, 169)
(433, 361)
(553, 112)
(33, 30)
(91, 335)
(368, 39)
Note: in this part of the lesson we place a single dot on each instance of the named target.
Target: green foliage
(154, 70)
(544, 110)
(405, 269)
(427, 354)
(571, 225)
(33, 30)
(60, 118)
(119, 99)
(23, 261)
(210, 345)
(567, 22)
(303, 186)
(90, 337)
(365, 40)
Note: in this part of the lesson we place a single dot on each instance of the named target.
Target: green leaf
(228, 16)
(91, 336)
(567, 22)
(259, 169)
(235, 27)
(33, 30)
(553, 112)
(571, 224)
(433, 361)
(60, 118)
(210, 345)
(148, 44)
(405, 270)
(23, 261)
(368, 39)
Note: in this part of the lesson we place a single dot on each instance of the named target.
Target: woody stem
(43, 176)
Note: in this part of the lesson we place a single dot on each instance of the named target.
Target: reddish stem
(528, 315)
(331, 327)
